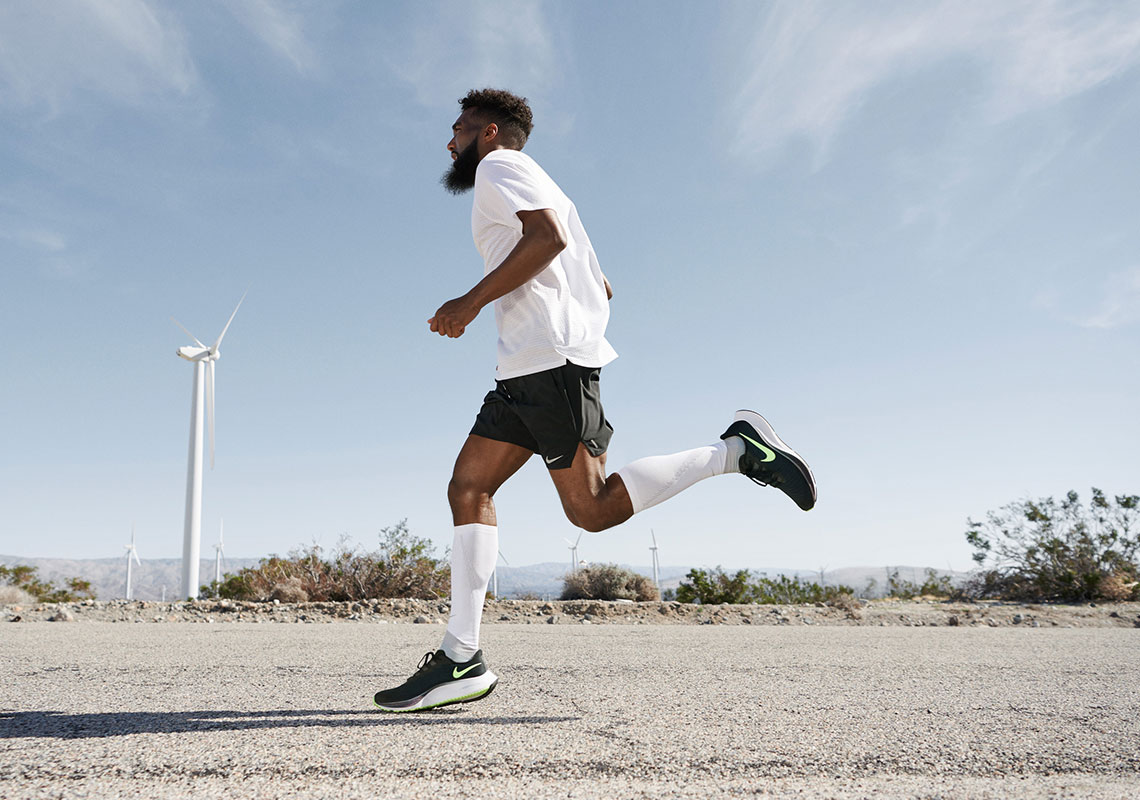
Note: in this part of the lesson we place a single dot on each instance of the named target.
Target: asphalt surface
(244, 710)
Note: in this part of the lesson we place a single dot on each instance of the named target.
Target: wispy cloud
(278, 27)
(452, 46)
(37, 239)
(811, 65)
(1120, 304)
(1114, 300)
(41, 250)
(126, 50)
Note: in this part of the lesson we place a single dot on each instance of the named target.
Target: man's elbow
(556, 238)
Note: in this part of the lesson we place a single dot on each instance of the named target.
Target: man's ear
(490, 132)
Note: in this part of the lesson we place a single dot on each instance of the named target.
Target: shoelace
(425, 662)
(746, 463)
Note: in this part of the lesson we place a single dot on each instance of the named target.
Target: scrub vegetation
(607, 582)
(710, 587)
(403, 566)
(1059, 551)
(23, 582)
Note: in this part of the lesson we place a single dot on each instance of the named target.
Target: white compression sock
(655, 479)
(473, 556)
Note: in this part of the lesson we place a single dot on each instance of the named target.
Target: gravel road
(614, 711)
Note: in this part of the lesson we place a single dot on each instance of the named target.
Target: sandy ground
(616, 711)
(911, 613)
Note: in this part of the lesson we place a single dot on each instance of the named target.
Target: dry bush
(846, 601)
(1118, 587)
(607, 582)
(15, 596)
(290, 590)
(403, 566)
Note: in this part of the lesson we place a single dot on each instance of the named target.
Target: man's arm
(542, 240)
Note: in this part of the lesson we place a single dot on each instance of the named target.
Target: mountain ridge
(542, 580)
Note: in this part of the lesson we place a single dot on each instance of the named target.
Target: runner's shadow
(58, 725)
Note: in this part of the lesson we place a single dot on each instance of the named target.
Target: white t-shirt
(561, 313)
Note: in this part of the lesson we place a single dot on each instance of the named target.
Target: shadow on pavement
(58, 725)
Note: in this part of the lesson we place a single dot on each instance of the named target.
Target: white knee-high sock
(655, 479)
(473, 556)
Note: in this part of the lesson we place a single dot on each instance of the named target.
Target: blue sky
(905, 233)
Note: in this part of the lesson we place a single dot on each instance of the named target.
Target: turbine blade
(654, 535)
(218, 343)
(210, 405)
(136, 555)
(508, 563)
(578, 540)
(183, 327)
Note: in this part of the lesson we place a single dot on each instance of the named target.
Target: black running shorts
(549, 413)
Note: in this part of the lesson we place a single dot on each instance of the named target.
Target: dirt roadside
(911, 613)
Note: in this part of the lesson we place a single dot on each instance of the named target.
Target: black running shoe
(770, 462)
(439, 681)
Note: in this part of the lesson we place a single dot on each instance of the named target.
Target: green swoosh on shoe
(768, 454)
(458, 673)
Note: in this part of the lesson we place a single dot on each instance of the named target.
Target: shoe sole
(768, 435)
(467, 690)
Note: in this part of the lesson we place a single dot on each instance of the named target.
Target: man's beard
(460, 176)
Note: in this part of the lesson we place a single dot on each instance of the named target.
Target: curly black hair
(509, 111)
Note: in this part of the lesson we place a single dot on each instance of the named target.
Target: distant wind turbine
(656, 563)
(218, 553)
(495, 576)
(573, 552)
(132, 554)
(203, 358)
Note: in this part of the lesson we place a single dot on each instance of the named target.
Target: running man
(551, 305)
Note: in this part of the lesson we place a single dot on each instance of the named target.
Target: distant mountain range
(108, 576)
(158, 575)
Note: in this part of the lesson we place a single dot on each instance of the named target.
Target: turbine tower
(131, 554)
(573, 552)
(203, 358)
(656, 563)
(218, 553)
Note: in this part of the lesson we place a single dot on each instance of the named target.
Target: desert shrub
(14, 596)
(846, 601)
(26, 579)
(1061, 551)
(792, 591)
(607, 582)
(934, 585)
(403, 566)
(1118, 587)
(710, 587)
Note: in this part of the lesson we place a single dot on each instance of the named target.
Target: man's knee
(589, 517)
(464, 495)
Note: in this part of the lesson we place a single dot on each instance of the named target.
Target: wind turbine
(218, 554)
(495, 576)
(131, 554)
(656, 563)
(573, 552)
(203, 358)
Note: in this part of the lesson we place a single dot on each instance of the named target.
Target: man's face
(464, 149)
